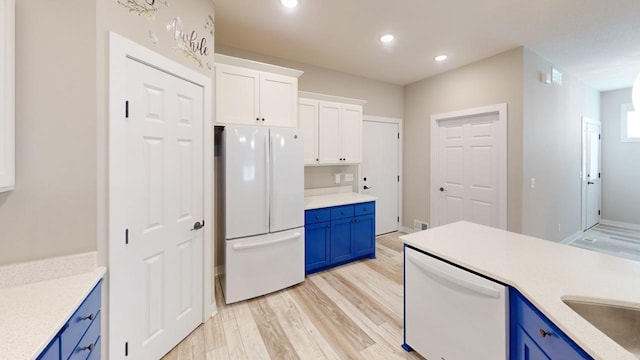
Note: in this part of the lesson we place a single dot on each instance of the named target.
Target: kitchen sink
(621, 324)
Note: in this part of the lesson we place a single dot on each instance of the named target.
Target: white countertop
(32, 314)
(328, 200)
(544, 272)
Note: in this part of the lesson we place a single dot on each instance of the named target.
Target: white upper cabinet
(308, 123)
(7, 76)
(253, 93)
(332, 128)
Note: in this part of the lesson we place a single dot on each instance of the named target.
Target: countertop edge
(330, 200)
(87, 281)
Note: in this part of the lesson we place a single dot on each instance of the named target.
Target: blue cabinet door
(52, 352)
(341, 245)
(525, 348)
(317, 242)
(364, 238)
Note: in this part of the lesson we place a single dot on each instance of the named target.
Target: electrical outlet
(420, 225)
(559, 228)
(348, 177)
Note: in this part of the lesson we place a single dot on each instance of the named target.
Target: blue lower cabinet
(341, 247)
(80, 337)
(348, 236)
(534, 336)
(364, 235)
(52, 352)
(317, 244)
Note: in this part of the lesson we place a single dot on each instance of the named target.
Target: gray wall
(383, 99)
(620, 163)
(494, 80)
(59, 205)
(52, 211)
(552, 128)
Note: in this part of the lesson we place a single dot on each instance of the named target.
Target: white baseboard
(407, 230)
(570, 238)
(620, 224)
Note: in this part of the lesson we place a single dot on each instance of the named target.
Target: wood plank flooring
(612, 240)
(351, 312)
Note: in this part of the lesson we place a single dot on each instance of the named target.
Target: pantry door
(469, 167)
(156, 267)
(380, 175)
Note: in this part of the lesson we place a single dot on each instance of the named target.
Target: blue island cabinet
(80, 336)
(535, 337)
(338, 235)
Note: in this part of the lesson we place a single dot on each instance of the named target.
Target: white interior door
(592, 175)
(156, 295)
(381, 171)
(469, 180)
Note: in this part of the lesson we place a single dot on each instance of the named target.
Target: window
(630, 123)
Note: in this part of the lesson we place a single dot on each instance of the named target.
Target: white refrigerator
(264, 210)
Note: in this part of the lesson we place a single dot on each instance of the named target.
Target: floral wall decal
(146, 8)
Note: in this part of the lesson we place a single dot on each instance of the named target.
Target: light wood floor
(351, 312)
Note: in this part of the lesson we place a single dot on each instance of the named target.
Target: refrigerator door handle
(272, 202)
(267, 190)
(265, 243)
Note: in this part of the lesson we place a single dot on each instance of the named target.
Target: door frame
(120, 51)
(583, 170)
(390, 120)
(436, 119)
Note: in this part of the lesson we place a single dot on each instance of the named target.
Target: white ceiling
(595, 40)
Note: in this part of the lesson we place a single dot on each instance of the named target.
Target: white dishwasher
(451, 313)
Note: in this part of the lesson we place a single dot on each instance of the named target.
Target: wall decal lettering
(188, 43)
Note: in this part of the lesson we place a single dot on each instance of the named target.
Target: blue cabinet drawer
(341, 212)
(80, 322)
(88, 342)
(365, 208)
(543, 332)
(317, 215)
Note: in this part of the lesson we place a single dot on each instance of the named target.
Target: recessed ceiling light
(289, 3)
(440, 58)
(387, 38)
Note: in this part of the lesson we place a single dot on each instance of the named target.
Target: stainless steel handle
(272, 197)
(544, 333)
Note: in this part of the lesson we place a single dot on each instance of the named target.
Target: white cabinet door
(237, 95)
(351, 133)
(329, 133)
(278, 100)
(308, 123)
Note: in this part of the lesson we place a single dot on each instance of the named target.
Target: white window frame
(624, 110)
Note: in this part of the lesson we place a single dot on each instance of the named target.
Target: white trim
(256, 65)
(583, 171)
(501, 109)
(407, 230)
(331, 98)
(7, 95)
(571, 238)
(620, 224)
(121, 49)
(399, 122)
